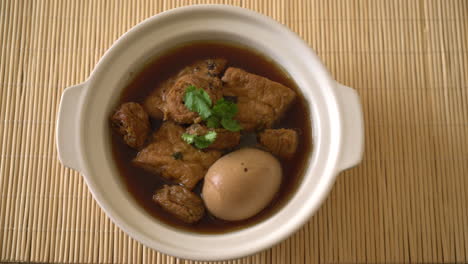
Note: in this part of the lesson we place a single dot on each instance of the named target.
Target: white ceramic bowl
(83, 131)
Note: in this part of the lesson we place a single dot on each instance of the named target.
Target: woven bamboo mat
(407, 201)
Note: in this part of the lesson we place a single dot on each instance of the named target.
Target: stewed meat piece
(225, 139)
(172, 158)
(281, 142)
(155, 103)
(175, 108)
(180, 202)
(132, 122)
(261, 102)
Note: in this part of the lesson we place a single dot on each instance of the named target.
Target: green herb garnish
(200, 142)
(225, 111)
(231, 124)
(213, 122)
(197, 100)
(220, 115)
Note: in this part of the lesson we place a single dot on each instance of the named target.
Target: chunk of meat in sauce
(132, 122)
(154, 104)
(261, 102)
(225, 139)
(175, 108)
(172, 158)
(180, 202)
(281, 142)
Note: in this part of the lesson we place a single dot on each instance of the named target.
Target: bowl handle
(353, 128)
(67, 126)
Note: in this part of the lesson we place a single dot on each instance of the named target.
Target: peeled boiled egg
(240, 184)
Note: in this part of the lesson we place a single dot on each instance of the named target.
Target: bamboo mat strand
(406, 202)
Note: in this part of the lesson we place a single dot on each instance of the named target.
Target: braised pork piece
(132, 122)
(182, 203)
(155, 103)
(281, 142)
(261, 101)
(190, 108)
(172, 158)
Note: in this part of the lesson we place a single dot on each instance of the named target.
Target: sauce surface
(142, 185)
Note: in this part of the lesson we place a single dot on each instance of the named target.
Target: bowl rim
(325, 182)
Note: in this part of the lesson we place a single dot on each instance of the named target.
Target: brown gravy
(142, 184)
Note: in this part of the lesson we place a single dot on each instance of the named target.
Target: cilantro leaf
(189, 97)
(197, 100)
(225, 109)
(205, 140)
(189, 138)
(212, 122)
(205, 96)
(219, 115)
(200, 142)
(231, 124)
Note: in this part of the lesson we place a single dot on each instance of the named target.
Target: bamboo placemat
(407, 201)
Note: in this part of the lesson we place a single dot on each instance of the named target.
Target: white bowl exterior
(207, 22)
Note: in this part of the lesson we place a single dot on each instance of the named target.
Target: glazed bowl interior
(162, 33)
